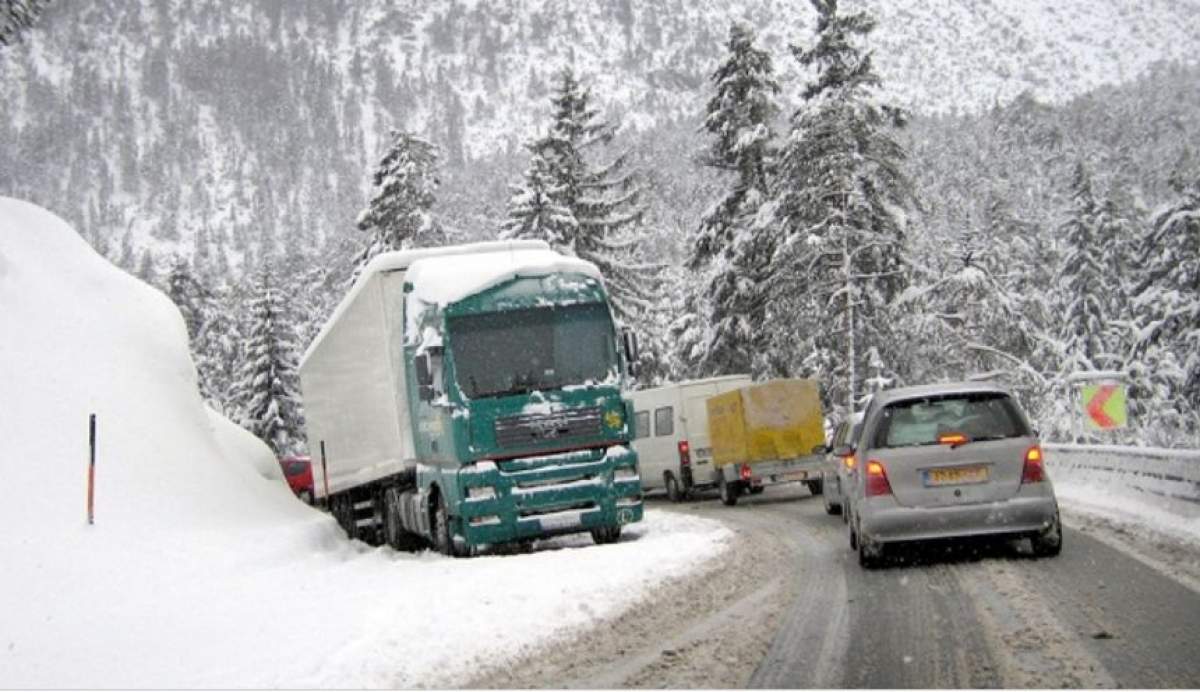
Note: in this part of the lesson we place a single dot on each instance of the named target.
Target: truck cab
(497, 413)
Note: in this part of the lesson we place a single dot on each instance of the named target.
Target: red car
(298, 472)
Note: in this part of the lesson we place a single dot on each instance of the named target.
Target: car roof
(889, 396)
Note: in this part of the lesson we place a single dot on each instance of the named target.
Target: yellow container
(769, 421)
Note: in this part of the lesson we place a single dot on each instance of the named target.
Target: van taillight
(1035, 470)
(685, 455)
(877, 480)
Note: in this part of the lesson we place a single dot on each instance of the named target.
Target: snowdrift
(201, 572)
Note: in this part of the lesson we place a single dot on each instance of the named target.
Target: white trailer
(671, 428)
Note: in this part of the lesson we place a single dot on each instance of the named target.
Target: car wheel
(870, 553)
(673, 492)
(1049, 542)
(832, 507)
(853, 537)
(814, 487)
(606, 534)
(729, 491)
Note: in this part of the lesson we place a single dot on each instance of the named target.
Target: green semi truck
(469, 396)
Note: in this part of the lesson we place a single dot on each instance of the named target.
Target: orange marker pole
(91, 469)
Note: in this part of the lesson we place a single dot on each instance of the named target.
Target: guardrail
(1165, 472)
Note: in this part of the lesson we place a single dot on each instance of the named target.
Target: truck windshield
(519, 351)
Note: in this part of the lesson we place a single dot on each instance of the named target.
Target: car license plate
(794, 476)
(958, 475)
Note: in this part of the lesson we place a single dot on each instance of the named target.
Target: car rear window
(979, 416)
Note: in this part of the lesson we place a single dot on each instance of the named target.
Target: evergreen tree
(267, 388)
(534, 208)
(1082, 281)
(400, 213)
(838, 203)
(217, 350)
(1168, 300)
(602, 200)
(734, 252)
(189, 295)
(17, 16)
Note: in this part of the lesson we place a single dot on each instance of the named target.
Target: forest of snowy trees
(809, 229)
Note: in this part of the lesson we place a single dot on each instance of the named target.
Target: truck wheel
(606, 534)
(443, 539)
(729, 491)
(342, 509)
(394, 533)
(673, 492)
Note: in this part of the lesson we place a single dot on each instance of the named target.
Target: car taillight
(685, 453)
(877, 480)
(745, 472)
(849, 461)
(1035, 470)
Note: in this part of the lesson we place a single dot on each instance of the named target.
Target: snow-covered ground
(1152, 489)
(201, 569)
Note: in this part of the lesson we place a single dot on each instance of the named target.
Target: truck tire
(606, 534)
(674, 494)
(394, 533)
(729, 490)
(443, 540)
(342, 509)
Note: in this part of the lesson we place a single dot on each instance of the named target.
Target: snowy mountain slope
(199, 126)
(201, 573)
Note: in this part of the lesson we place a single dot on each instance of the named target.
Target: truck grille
(519, 431)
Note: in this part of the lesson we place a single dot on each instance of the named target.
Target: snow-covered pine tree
(17, 16)
(1081, 281)
(189, 295)
(268, 381)
(839, 203)
(400, 213)
(217, 349)
(730, 252)
(1168, 302)
(601, 199)
(534, 207)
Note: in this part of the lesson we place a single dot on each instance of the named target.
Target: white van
(671, 433)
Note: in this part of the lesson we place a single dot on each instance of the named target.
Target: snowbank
(1154, 488)
(200, 572)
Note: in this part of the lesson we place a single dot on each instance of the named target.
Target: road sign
(1104, 406)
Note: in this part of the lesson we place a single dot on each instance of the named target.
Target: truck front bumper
(536, 497)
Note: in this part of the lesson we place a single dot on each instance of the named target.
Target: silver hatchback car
(948, 461)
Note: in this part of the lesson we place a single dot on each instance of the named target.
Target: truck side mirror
(424, 374)
(630, 342)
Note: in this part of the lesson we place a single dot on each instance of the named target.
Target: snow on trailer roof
(454, 272)
(445, 279)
